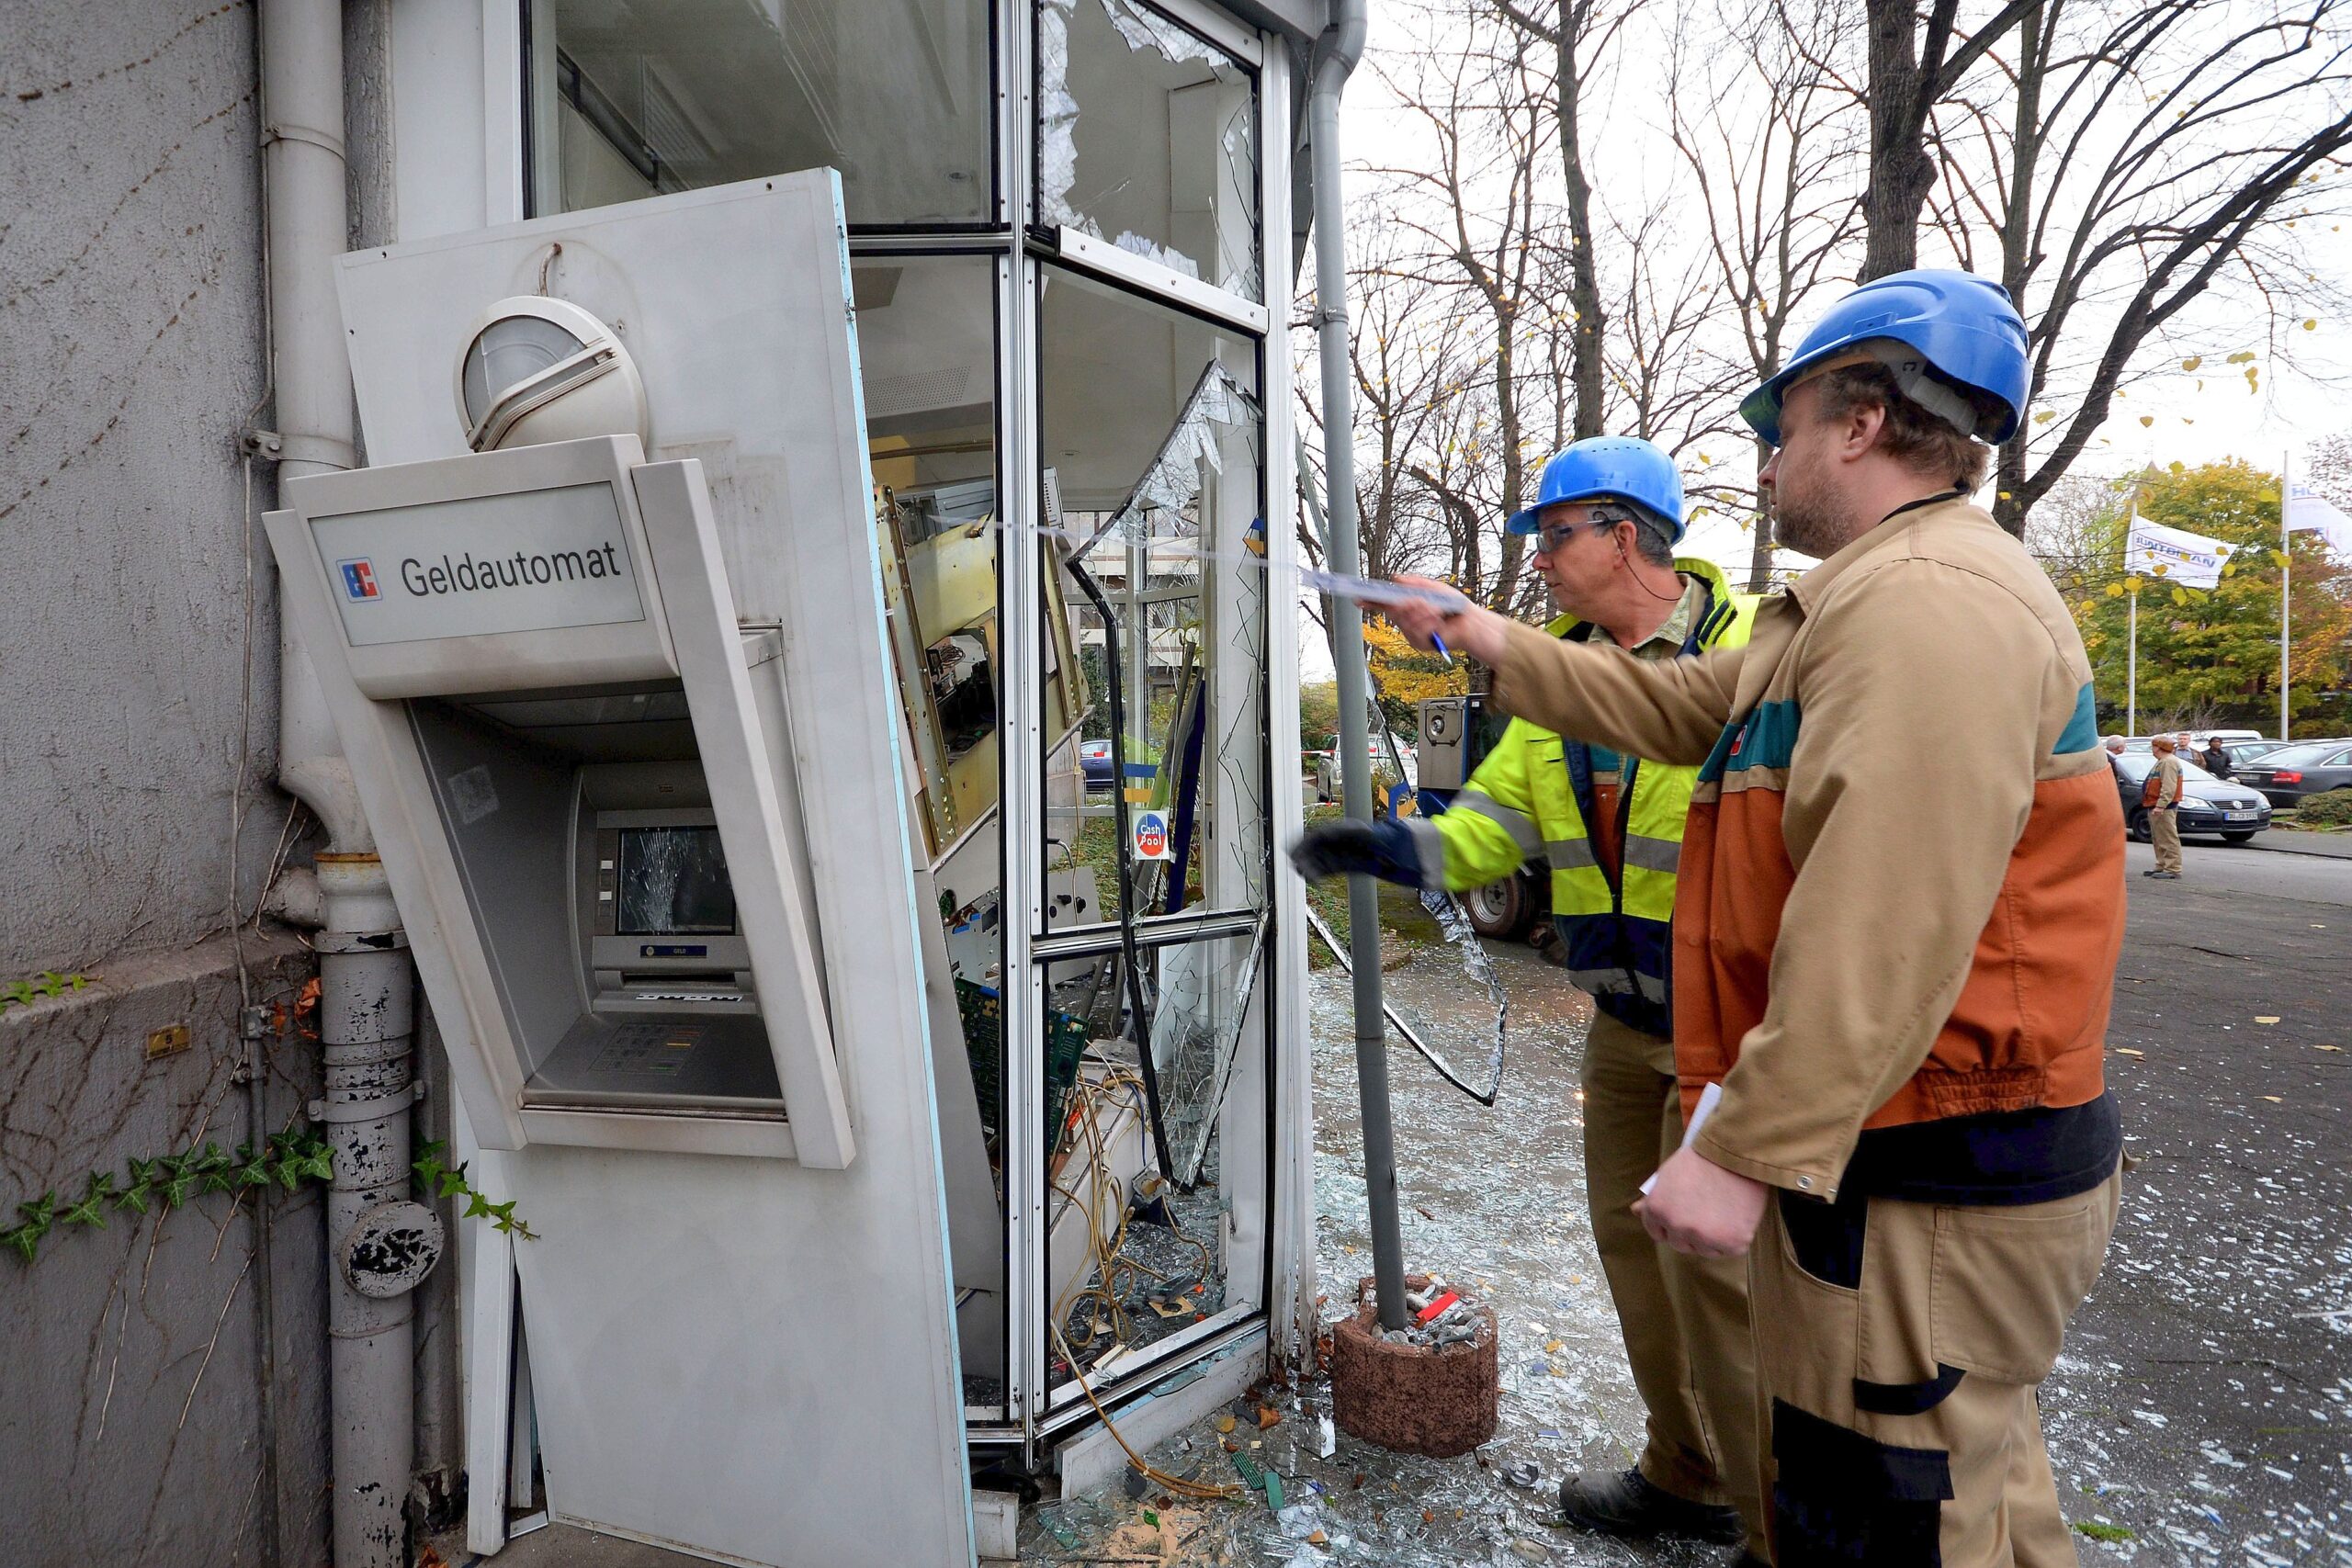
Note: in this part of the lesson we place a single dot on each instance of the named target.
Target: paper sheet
(1709, 1097)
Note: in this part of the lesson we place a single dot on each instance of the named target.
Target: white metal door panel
(741, 1357)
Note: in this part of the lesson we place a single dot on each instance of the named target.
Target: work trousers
(1902, 1347)
(2164, 832)
(1685, 1320)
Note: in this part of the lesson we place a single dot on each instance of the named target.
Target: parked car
(2245, 751)
(1095, 762)
(2307, 767)
(2207, 804)
(1326, 762)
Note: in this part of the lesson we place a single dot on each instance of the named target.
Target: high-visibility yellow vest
(1526, 804)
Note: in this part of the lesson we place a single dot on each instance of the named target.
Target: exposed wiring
(1175, 1484)
(1127, 950)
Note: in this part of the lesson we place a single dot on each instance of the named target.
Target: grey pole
(1336, 55)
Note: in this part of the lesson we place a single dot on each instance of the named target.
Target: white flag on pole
(2308, 510)
(2173, 554)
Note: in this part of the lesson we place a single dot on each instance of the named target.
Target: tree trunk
(2036, 28)
(1584, 273)
(1760, 563)
(1901, 172)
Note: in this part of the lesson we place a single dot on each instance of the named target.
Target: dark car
(1095, 762)
(2206, 804)
(2244, 752)
(2307, 767)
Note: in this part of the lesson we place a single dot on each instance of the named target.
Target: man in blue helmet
(1606, 516)
(1899, 976)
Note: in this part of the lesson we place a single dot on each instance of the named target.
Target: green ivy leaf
(145, 1172)
(212, 1169)
(476, 1205)
(174, 1188)
(253, 1169)
(91, 1211)
(23, 1240)
(40, 1213)
(132, 1197)
(318, 1160)
(453, 1182)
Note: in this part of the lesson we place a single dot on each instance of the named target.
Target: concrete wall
(131, 1424)
(138, 731)
(131, 303)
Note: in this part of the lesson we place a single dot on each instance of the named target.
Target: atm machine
(627, 744)
(672, 691)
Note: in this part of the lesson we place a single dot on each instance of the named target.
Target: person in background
(2115, 754)
(1608, 825)
(2216, 760)
(2161, 795)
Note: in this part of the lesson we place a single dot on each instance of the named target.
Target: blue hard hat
(1967, 362)
(1609, 467)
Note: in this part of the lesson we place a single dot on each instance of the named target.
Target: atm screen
(673, 883)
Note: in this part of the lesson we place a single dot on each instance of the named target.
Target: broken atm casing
(738, 1330)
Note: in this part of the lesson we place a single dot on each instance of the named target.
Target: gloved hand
(1345, 847)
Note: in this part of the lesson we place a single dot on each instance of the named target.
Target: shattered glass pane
(1148, 137)
(1205, 993)
(1151, 432)
(1134, 1258)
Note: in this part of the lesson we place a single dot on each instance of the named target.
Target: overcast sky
(2187, 422)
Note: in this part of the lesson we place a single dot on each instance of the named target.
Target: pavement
(2201, 1412)
(2337, 845)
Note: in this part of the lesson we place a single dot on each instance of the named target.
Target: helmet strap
(1912, 377)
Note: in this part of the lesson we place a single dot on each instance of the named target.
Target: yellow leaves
(2115, 590)
(2311, 324)
(2147, 419)
(2178, 597)
(2279, 559)
(2045, 416)
(2192, 362)
(2243, 356)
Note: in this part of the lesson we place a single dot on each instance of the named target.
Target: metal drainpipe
(378, 1244)
(1336, 54)
(381, 1244)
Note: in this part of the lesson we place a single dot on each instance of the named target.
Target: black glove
(1344, 848)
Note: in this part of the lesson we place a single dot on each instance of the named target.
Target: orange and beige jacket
(1902, 882)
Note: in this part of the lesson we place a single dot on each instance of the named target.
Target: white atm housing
(536, 665)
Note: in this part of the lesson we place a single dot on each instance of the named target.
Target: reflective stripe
(1618, 983)
(1517, 824)
(1429, 851)
(1652, 854)
(1567, 855)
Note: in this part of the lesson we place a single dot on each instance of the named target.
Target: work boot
(1627, 1502)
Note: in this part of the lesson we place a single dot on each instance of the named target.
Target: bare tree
(1763, 123)
(2130, 157)
(1473, 213)
(1580, 33)
(1915, 60)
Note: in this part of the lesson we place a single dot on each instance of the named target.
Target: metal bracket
(339, 1111)
(261, 443)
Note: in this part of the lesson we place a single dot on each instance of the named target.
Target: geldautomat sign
(526, 562)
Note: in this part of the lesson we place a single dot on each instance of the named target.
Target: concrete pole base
(1413, 1398)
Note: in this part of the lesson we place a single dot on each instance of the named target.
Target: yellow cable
(1198, 1491)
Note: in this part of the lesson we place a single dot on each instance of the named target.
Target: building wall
(131, 302)
(138, 709)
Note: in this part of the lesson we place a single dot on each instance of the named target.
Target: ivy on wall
(287, 1159)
